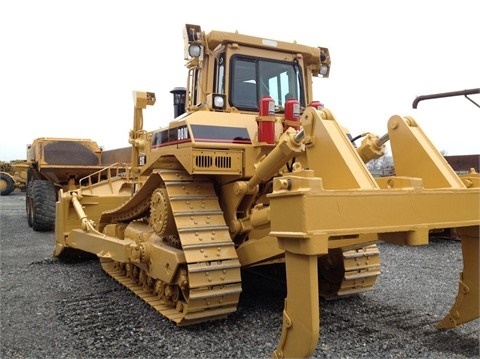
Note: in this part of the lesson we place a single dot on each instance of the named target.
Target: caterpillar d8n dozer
(253, 171)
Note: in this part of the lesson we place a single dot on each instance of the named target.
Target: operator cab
(237, 72)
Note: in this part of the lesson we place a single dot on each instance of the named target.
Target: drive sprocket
(161, 216)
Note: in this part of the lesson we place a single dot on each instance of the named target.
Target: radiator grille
(223, 162)
(203, 161)
(219, 162)
(206, 161)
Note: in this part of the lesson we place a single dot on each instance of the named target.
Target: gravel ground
(51, 309)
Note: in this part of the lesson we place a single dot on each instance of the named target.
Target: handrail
(448, 94)
(112, 171)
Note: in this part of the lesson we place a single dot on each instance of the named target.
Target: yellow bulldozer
(253, 171)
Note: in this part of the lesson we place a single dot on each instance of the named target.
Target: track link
(362, 267)
(212, 268)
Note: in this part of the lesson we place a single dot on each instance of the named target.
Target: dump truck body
(61, 163)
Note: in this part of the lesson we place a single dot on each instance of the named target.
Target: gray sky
(68, 68)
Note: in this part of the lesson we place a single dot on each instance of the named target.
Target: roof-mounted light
(325, 62)
(192, 36)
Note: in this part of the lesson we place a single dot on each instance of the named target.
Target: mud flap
(301, 315)
(467, 303)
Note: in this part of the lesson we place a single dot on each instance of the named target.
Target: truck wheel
(7, 185)
(28, 202)
(28, 196)
(43, 198)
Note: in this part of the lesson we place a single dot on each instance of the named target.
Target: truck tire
(28, 203)
(42, 206)
(7, 185)
(28, 195)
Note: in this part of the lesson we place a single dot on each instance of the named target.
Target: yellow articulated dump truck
(63, 163)
(252, 171)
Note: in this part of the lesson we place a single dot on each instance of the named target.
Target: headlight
(194, 50)
(324, 70)
(218, 102)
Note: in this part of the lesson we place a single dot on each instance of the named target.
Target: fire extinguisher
(317, 104)
(292, 114)
(266, 120)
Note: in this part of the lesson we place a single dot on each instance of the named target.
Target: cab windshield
(254, 78)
